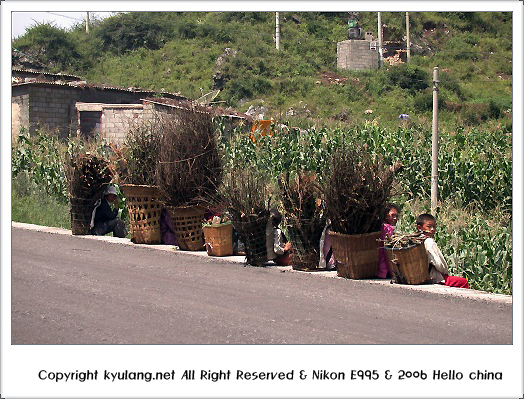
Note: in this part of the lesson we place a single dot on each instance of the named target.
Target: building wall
(357, 55)
(117, 120)
(19, 114)
(54, 105)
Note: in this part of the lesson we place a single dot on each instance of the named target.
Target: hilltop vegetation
(178, 52)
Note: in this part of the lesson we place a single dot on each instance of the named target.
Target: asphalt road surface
(69, 290)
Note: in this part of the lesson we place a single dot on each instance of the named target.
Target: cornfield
(475, 179)
(475, 182)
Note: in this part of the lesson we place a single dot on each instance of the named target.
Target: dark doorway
(90, 122)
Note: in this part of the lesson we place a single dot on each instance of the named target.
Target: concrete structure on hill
(357, 54)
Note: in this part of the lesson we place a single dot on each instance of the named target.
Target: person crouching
(104, 219)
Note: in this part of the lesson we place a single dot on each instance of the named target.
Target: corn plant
(475, 175)
(40, 156)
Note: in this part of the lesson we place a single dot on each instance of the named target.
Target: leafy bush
(31, 204)
(409, 77)
(134, 30)
(50, 46)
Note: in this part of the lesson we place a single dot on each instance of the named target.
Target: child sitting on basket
(438, 268)
(388, 228)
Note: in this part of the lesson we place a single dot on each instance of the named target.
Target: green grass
(32, 205)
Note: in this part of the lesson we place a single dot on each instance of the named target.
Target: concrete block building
(357, 54)
(46, 101)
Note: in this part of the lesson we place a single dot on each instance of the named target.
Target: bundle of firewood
(87, 175)
(399, 241)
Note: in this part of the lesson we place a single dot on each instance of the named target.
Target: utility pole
(408, 43)
(277, 33)
(380, 60)
(434, 145)
(87, 22)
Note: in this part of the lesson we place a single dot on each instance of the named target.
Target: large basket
(219, 239)
(145, 209)
(187, 224)
(305, 240)
(252, 232)
(357, 255)
(81, 213)
(409, 265)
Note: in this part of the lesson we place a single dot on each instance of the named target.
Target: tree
(134, 30)
(49, 45)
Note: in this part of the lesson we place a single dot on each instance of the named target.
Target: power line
(65, 16)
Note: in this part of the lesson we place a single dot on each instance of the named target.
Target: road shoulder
(430, 288)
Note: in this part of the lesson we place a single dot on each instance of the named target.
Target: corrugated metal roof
(188, 104)
(45, 73)
(84, 85)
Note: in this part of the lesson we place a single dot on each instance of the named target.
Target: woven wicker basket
(305, 239)
(219, 239)
(357, 254)
(252, 231)
(145, 210)
(409, 265)
(81, 212)
(187, 223)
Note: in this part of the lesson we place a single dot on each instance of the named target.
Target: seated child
(327, 260)
(278, 247)
(388, 228)
(438, 271)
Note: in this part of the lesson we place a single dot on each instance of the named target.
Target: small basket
(357, 255)
(187, 224)
(409, 265)
(219, 239)
(81, 213)
(145, 210)
(252, 231)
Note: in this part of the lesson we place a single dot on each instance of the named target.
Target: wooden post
(380, 60)
(434, 145)
(277, 33)
(408, 43)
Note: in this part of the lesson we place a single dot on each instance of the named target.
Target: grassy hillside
(179, 51)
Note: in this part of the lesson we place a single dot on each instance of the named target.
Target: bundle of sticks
(87, 175)
(399, 241)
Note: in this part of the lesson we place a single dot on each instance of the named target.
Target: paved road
(70, 290)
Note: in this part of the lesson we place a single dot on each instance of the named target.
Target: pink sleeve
(387, 230)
